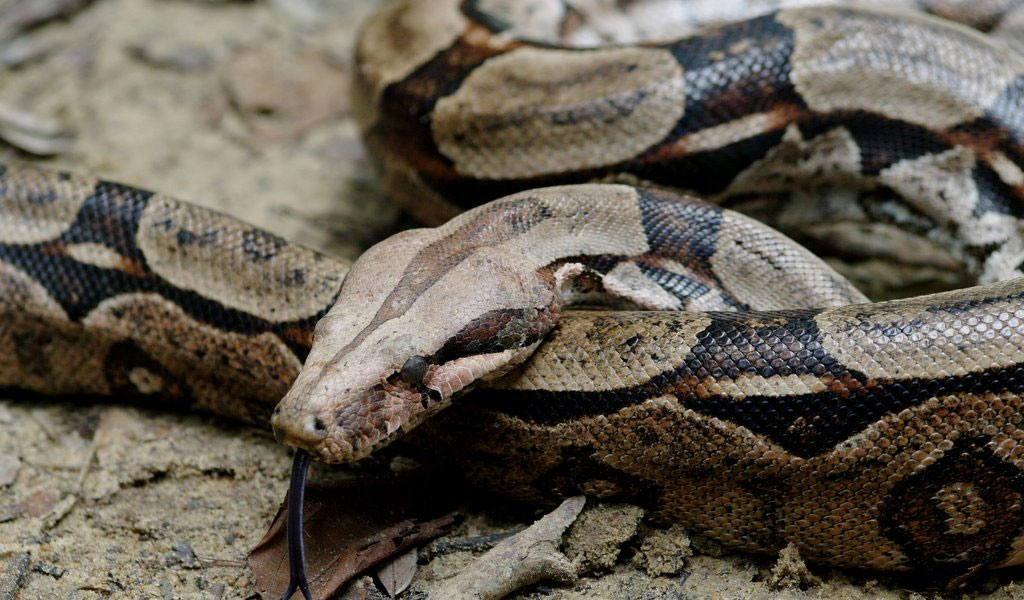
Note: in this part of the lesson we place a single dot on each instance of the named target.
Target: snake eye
(413, 370)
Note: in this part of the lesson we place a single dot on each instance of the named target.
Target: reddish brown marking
(301, 336)
(124, 264)
(984, 144)
(783, 114)
(843, 386)
(405, 107)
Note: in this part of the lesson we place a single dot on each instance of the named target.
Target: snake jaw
(348, 429)
(343, 428)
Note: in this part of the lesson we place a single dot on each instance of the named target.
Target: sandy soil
(242, 106)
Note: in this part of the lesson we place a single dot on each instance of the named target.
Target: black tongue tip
(296, 548)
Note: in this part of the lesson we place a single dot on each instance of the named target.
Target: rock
(663, 551)
(9, 467)
(596, 537)
(12, 575)
(283, 96)
(182, 554)
(790, 571)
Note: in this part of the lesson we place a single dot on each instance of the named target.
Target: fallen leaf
(396, 574)
(355, 524)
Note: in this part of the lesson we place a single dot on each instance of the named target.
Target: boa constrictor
(757, 398)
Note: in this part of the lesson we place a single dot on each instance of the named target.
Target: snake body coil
(741, 388)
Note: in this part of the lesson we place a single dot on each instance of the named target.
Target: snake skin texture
(872, 435)
(109, 290)
(737, 385)
(909, 124)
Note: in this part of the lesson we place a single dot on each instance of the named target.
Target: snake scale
(738, 385)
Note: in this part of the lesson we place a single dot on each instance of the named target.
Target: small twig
(27, 48)
(77, 490)
(51, 466)
(525, 558)
(41, 420)
(16, 17)
(222, 562)
(60, 510)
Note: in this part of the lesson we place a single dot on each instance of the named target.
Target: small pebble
(182, 554)
(51, 570)
(9, 467)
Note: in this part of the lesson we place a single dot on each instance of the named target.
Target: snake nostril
(299, 429)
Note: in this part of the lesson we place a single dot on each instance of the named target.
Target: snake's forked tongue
(296, 549)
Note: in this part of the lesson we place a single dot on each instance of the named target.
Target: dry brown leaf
(354, 525)
(396, 574)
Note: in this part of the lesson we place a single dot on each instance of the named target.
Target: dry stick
(527, 557)
(85, 469)
(20, 15)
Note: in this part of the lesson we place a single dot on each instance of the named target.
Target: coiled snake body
(742, 388)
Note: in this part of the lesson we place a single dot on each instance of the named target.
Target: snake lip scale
(737, 385)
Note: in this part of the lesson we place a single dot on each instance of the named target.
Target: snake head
(418, 321)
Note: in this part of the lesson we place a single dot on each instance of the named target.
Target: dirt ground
(242, 106)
